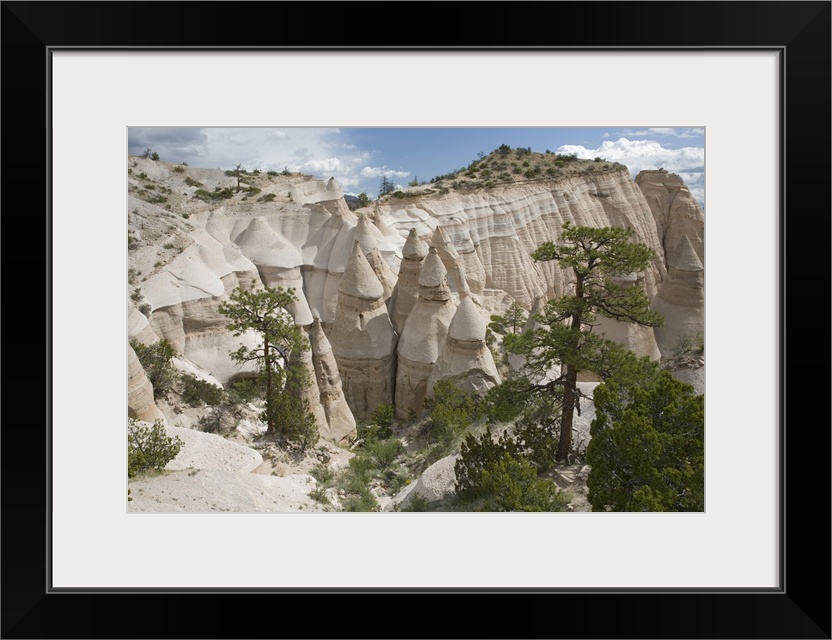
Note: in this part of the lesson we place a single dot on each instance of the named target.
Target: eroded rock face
(450, 259)
(465, 359)
(340, 420)
(311, 393)
(423, 336)
(482, 239)
(681, 298)
(639, 339)
(362, 338)
(406, 291)
(140, 402)
(506, 224)
(675, 210)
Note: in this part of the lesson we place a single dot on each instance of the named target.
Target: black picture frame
(799, 31)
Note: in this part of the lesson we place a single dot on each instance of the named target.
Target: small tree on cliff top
(595, 256)
(264, 311)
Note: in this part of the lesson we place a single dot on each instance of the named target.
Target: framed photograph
(754, 76)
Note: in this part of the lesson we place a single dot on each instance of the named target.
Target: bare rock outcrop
(406, 291)
(465, 359)
(482, 240)
(681, 298)
(368, 236)
(339, 418)
(675, 210)
(459, 253)
(218, 491)
(278, 263)
(362, 337)
(450, 258)
(637, 338)
(140, 402)
(209, 451)
(423, 336)
(438, 481)
(310, 392)
(507, 223)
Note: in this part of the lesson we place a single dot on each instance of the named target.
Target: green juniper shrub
(354, 481)
(381, 423)
(451, 412)
(149, 448)
(647, 451)
(221, 416)
(323, 474)
(218, 194)
(363, 501)
(198, 392)
(157, 361)
(512, 484)
(493, 475)
(417, 503)
(384, 452)
(245, 390)
(318, 494)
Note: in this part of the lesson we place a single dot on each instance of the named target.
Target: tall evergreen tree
(264, 311)
(595, 257)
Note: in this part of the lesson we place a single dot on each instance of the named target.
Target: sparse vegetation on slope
(506, 166)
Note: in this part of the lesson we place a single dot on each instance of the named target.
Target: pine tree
(386, 186)
(512, 321)
(264, 311)
(595, 257)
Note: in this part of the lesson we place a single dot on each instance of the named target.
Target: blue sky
(358, 157)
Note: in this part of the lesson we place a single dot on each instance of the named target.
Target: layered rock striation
(423, 336)
(465, 358)
(362, 337)
(502, 226)
(674, 209)
(637, 338)
(361, 280)
(340, 420)
(406, 291)
(681, 298)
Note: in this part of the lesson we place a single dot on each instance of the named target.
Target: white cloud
(377, 172)
(327, 165)
(637, 155)
(606, 135)
(320, 152)
(663, 132)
